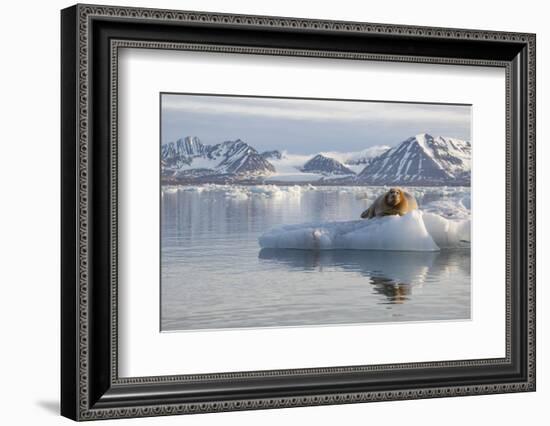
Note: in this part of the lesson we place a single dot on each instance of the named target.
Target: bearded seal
(394, 202)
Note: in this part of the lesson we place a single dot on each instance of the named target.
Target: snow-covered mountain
(237, 157)
(188, 158)
(421, 160)
(180, 153)
(326, 166)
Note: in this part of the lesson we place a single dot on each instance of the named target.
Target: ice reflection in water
(395, 275)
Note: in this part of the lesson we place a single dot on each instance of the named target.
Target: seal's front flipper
(366, 214)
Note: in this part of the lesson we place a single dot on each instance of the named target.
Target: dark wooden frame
(91, 37)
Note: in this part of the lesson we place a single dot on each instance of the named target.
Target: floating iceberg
(413, 232)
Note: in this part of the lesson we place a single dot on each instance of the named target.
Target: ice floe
(399, 233)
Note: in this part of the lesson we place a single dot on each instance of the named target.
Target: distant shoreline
(166, 183)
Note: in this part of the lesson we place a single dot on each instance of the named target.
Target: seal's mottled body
(394, 202)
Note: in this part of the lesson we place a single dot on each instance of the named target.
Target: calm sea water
(214, 274)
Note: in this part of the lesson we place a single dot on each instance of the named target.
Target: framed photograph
(263, 212)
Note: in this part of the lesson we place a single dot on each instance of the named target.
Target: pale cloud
(322, 110)
(304, 126)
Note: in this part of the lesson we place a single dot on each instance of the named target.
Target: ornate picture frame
(91, 37)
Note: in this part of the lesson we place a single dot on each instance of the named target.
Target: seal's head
(393, 197)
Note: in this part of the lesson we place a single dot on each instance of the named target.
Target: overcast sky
(307, 126)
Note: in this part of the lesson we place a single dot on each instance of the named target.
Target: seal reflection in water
(394, 202)
(396, 292)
